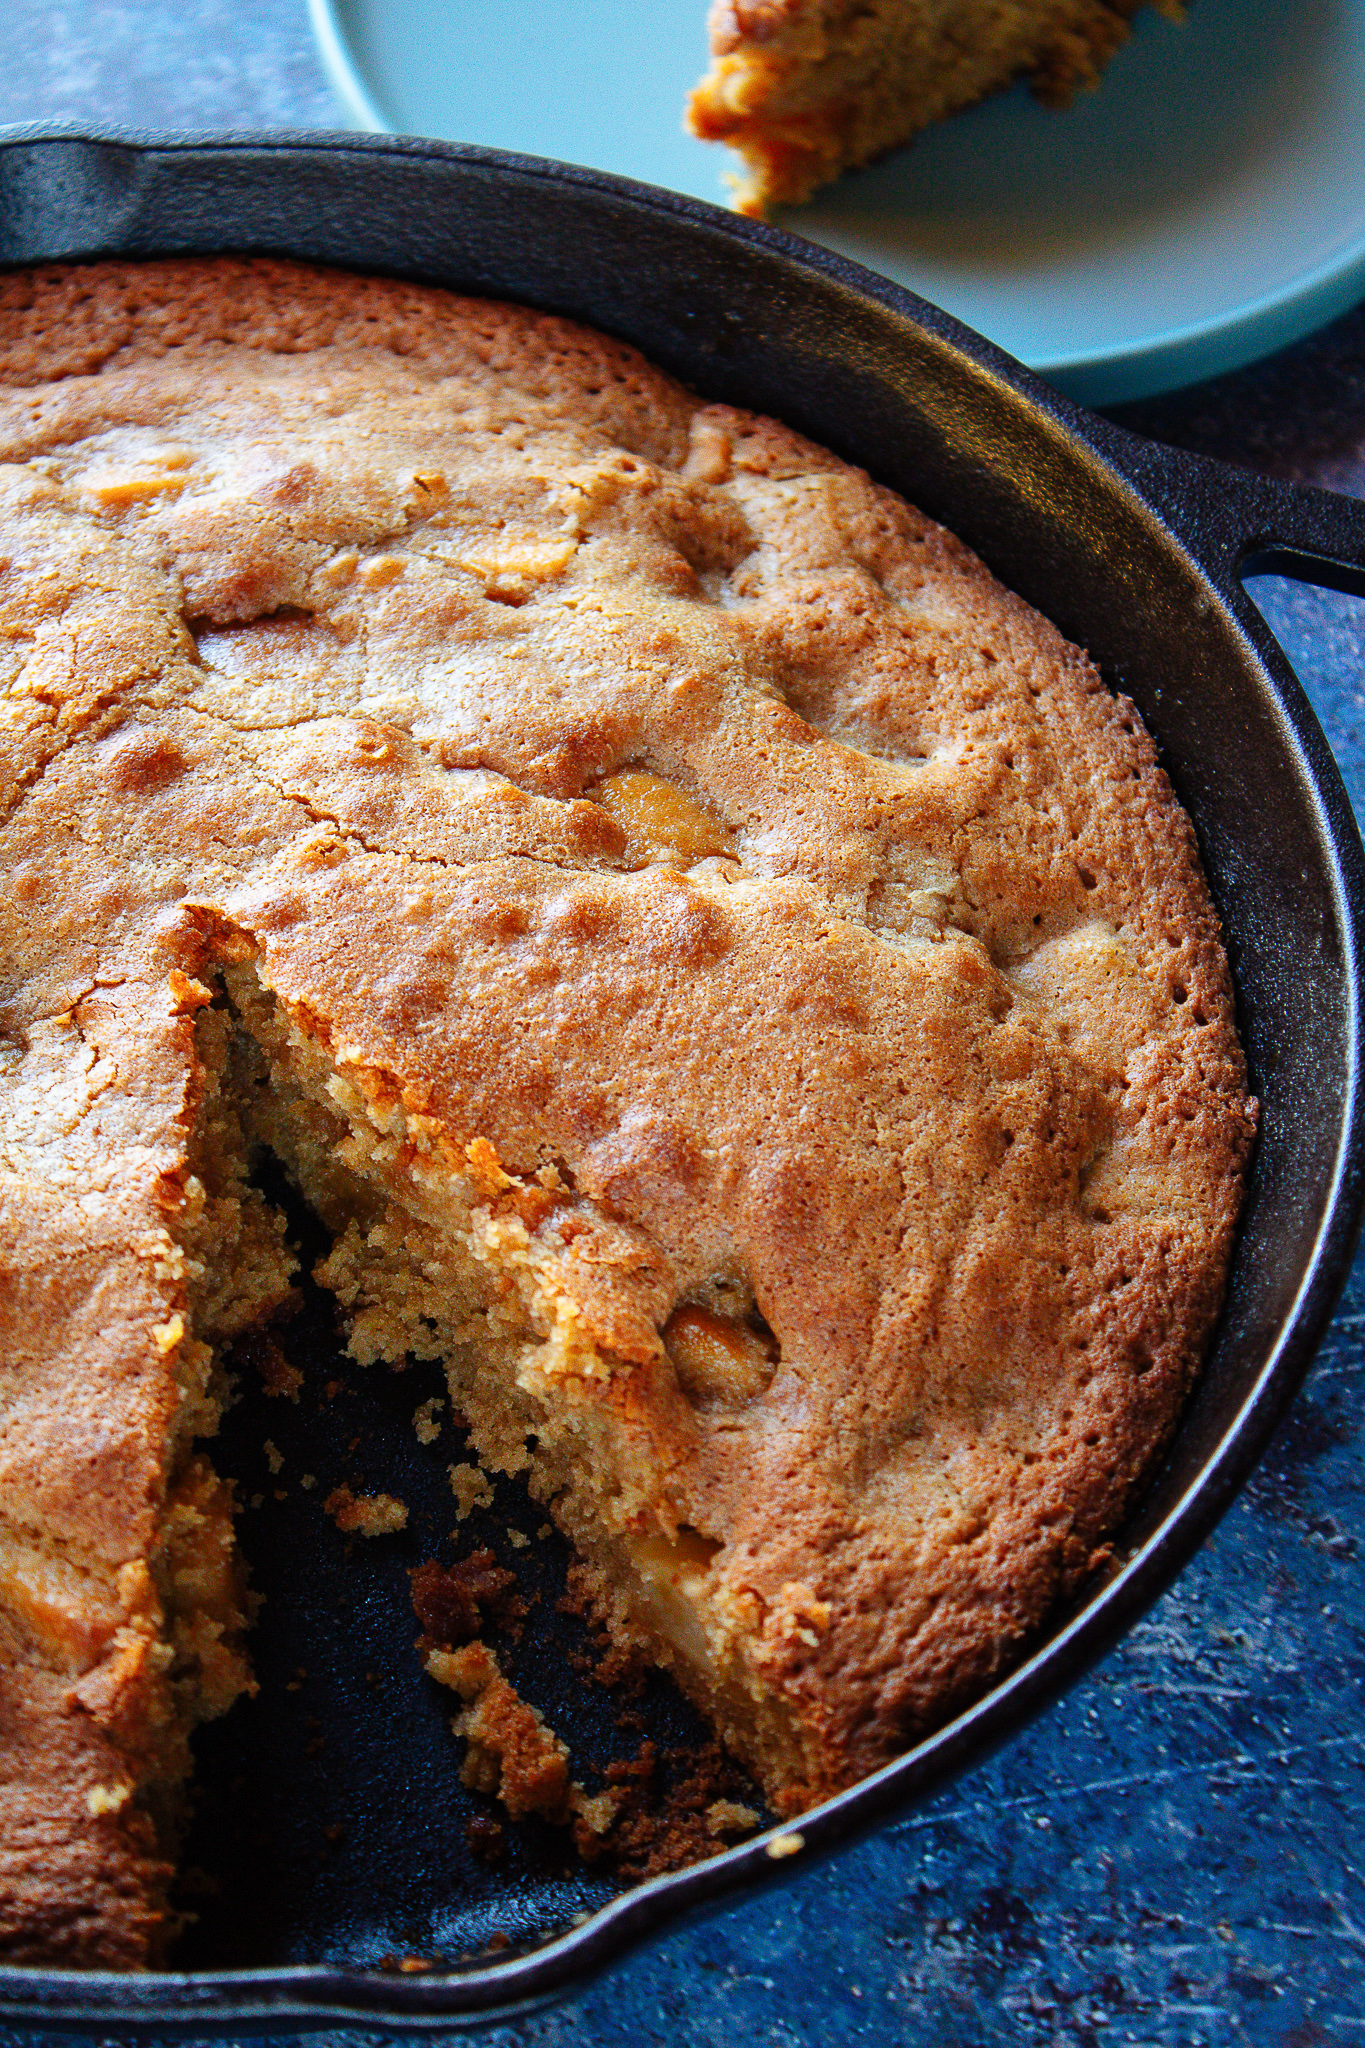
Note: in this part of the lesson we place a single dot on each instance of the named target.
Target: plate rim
(1165, 359)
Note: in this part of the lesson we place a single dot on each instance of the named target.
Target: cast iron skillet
(1135, 551)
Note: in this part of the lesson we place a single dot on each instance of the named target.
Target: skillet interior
(745, 314)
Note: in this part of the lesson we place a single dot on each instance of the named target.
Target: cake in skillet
(805, 89)
(733, 982)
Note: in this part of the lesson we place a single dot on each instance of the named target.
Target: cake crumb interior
(432, 1257)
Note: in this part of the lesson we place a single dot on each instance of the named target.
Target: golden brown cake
(804, 89)
(731, 979)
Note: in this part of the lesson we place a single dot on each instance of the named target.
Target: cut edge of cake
(437, 1253)
(111, 1664)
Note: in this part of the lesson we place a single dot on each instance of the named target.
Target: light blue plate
(1206, 205)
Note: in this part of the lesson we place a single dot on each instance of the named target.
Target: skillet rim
(1218, 520)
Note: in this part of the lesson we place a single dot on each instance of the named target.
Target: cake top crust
(624, 788)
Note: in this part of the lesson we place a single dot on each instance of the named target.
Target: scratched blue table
(1171, 1856)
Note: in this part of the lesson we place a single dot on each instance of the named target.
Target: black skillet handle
(1241, 524)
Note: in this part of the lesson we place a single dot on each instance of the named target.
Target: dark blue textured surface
(1171, 1857)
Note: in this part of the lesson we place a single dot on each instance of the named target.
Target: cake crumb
(369, 1514)
(728, 1817)
(485, 1838)
(597, 1810)
(454, 1602)
(107, 1799)
(424, 1420)
(512, 1756)
(471, 1489)
(666, 1810)
(273, 1458)
(782, 1846)
(516, 1538)
(545, 1529)
(279, 1379)
(308, 1481)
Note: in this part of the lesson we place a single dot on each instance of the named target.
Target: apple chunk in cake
(728, 976)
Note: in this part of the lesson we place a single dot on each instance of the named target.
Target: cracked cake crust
(718, 962)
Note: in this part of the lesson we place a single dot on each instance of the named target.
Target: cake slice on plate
(805, 89)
